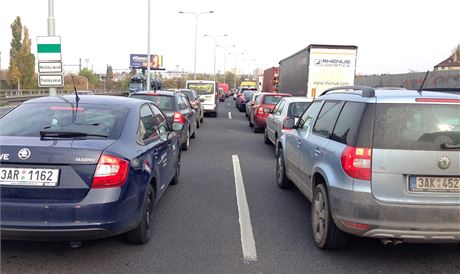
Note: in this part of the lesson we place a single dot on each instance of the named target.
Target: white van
(207, 91)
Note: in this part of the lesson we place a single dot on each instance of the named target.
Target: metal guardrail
(17, 96)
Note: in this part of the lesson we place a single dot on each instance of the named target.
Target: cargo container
(270, 83)
(317, 68)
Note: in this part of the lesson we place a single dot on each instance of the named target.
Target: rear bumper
(409, 223)
(210, 108)
(259, 121)
(103, 213)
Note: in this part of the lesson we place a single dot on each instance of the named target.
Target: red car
(263, 106)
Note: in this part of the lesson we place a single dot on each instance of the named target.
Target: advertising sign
(140, 61)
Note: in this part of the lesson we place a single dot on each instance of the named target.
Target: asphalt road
(197, 224)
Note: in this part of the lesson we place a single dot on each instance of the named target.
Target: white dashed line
(228, 104)
(229, 115)
(247, 238)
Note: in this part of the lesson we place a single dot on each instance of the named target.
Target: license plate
(29, 176)
(434, 184)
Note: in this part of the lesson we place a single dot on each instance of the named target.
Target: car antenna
(77, 98)
(423, 83)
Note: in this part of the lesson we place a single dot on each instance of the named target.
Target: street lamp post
(196, 14)
(215, 47)
(225, 55)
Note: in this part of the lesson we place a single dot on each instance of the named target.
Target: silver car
(288, 107)
(377, 163)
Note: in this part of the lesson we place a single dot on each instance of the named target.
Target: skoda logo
(24, 154)
(444, 162)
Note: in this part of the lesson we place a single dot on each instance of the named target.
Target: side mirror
(162, 129)
(177, 126)
(201, 100)
(253, 103)
(289, 123)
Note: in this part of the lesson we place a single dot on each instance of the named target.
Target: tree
(22, 61)
(456, 51)
(109, 72)
(89, 74)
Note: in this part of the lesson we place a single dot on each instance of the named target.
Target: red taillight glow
(178, 118)
(355, 225)
(436, 100)
(357, 162)
(260, 111)
(111, 171)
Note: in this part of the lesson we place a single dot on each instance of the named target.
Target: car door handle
(317, 151)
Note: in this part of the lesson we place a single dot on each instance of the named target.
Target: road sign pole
(51, 32)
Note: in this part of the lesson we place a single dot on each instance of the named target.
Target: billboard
(140, 61)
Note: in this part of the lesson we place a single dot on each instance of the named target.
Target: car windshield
(296, 109)
(87, 119)
(135, 86)
(272, 99)
(164, 102)
(202, 88)
(189, 94)
(416, 127)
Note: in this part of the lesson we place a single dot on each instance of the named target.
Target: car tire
(266, 139)
(282, 181)
(255, 129)
(325, 233)
(250, 123)
(198, 123)
(202, 119)
(176, 178)
(186, 144)
(142, 233)
(246, 114)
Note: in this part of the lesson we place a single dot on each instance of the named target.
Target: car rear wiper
(450, 146)
(67, 134)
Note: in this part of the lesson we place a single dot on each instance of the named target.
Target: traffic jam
(303, 167)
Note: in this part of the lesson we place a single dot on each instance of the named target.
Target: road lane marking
(228, 104)
(247, 238)
(229, 115)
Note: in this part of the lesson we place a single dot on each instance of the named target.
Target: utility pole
(148, 47)
(51, 32)
(79, 66)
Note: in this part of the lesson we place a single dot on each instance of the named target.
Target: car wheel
(186, 144)
(202, 119)
(325, 233)
(281, 179)
(250, 123)
(142, 233)
(176, 178)
(198, 123)
(246, 114)
(266, 140)
(255, 129)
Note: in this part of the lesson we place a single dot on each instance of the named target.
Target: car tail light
(284, 128)
(355, 225)
(178, 118)
(111, 171)
(357, 162)
(260, 111)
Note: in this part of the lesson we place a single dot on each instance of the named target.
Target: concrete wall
(436, 79)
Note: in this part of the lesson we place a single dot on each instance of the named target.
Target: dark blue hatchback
(84, 169)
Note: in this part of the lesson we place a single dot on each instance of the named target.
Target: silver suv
(378, 163)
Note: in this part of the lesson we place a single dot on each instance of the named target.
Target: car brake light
(260, 111)
(111, 171)
(356, 162)
(67, 108)
(178, 118)
(437, 100)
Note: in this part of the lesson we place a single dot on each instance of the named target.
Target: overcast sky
(392, 36)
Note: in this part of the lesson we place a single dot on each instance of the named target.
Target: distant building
(451, 63)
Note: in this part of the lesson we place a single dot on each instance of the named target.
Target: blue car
(79, 168)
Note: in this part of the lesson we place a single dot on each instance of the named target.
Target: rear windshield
(272, 99)
(30, 118)
(416, 127)
(202, 88)
(189, 94)
(248, 94)
(164, 102)
(296, 109)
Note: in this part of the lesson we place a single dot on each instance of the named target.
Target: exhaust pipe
(395, 242)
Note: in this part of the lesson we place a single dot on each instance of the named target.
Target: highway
(201, 225)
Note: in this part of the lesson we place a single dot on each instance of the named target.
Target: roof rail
(367, 91)
(390, 88)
